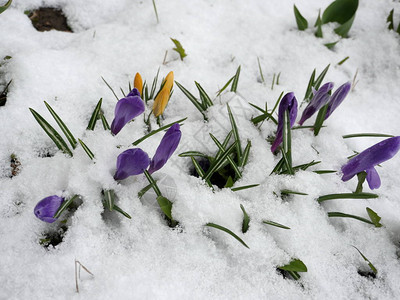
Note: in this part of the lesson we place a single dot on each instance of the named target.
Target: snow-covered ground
(143, 257)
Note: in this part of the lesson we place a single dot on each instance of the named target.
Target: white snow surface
(143, 258)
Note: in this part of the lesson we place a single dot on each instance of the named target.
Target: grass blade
(287, 142)
(224, 144)
(302, 23)
(166, 206)
(235, 80)
(335, 214)
(289, 192)
(155, 11)
(86, 148)
(372, 267)
(118, 209)
(246, 220)
(230, 160)
(199, 170)
(203, 96)
(64, 206)
(193, 99)
(245, 156)
(227, 231)
(95, 116)
(62, 126)
(243, 187)
(235, 135)
(109, 199)
(320, 119)
(374, 217)
(307, 96)
(219, 162)
(347, 196)
(153, 183)
(104, 122)
(51, 132)
(259, 68)
(272, 223)
(138, 141)
(192, 153)
(318, 81)
(115, 95)
(324, 171)
(144, 190)
(225, 86)
(366, 135)
(296, 265)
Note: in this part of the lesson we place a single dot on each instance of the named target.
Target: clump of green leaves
(314, 83)
(293, 268)
(339, 11)
(178, 48)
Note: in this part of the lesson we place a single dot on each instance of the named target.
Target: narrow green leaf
(144, 190)
(343, 29)
(225, 86)
(258, 108)
(361, 178)
(287, 141)
(331, 45)
(343, 60)
(229, 182)
(390, 20)
(193, 99)
(347, 196)
(192, 153)
(372, 267)
(296, 265)
(347, 136)
(318, 81)
(138, 141)
(95, 115)
(109, 199)
(272, 223)
(320, 119)
(235, 134)
(246, 219)
(154, 85)
(245, 156)
(51, 132)
(179, 48)
(230, 160)
(155, 11)
(203, 96)
(318, 24)
(115, 95)
(104, 122)
(153, 183)
(324, 171)
(235, 80)
(64, 206)
(304, 167)
(287, 192)
(86, 148)
(260, 70)
(243, 187)
(227, 231)
(199, 170)
(118, 209)
(166, 206)
(218, 162)
(308, 95)
(278, 166)
(335, 214)
(302, 23)
(374, 217)
(224, 144)
(5, 6)
(62, 126)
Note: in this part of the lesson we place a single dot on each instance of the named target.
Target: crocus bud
(47, 208)
(161, 100)
(167, 146)
(320, 98)
(369, 158)
(337, 98)
(288, 102)
(126, 109)
(131, 162)
(138, 83)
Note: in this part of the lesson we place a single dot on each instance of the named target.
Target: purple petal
(126, 109)
(167, 146)
(288, 102)
(320, 98)
(371, 157)
(131, 162)
(47, 207)
(134, 92)
(337, 98)
(373, 179)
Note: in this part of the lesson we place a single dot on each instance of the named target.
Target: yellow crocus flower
(138, 83)
(162, 98)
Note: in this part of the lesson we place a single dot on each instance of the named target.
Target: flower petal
(373, 179)
(320, 98)
(371, 157)
(167, 146)
(134, 92)
(288, 102)
(126, 109)
(131, 162)
(138, 83)
(47, 207)
(161, 102)
(337, 98)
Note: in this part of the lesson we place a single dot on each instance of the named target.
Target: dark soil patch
(48, 18)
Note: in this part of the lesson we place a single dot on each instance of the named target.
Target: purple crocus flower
(337, 98)
(126, 109)
(288, 102)
(320, 98)
(167, 146)
(369, 158)
(47, 208)
(131, 162)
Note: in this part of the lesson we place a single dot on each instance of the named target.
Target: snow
(143, 257)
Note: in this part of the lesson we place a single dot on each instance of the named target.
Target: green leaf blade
(227, 231)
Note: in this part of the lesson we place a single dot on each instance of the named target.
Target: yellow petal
(169, 81)
(138, 83)
(161, 102)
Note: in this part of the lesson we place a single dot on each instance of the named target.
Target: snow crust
(144, 258)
